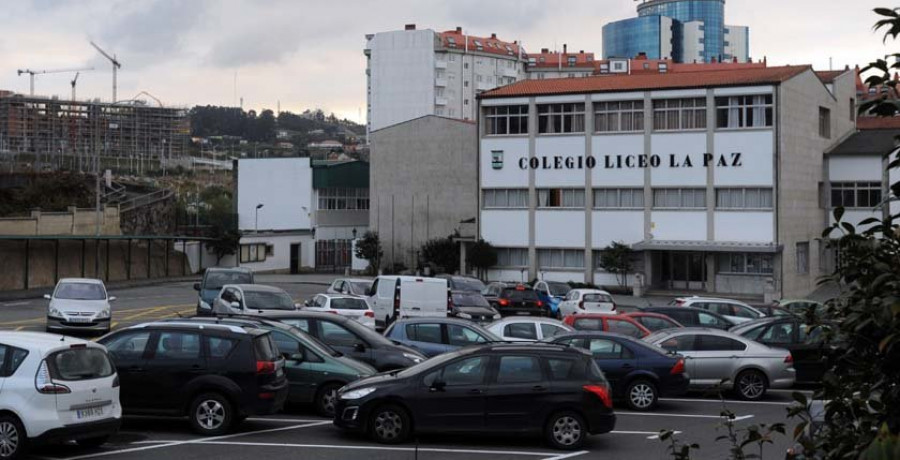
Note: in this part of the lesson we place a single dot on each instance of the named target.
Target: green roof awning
(350, 174)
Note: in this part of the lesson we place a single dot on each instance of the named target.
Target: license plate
(523, 313)
(89, 412)
(79, 320)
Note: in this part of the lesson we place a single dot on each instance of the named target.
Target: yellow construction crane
(32, 73)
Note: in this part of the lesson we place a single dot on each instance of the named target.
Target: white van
(394, 297)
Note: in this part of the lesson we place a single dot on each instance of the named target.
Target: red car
(653, 321)
(608, 323)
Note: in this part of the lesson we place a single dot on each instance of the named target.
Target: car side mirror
(359, 347)
(297, 357)
(196, 286)
(305, 303)
(437, 386)
(47, 296)
(236, 305)
(112, 298)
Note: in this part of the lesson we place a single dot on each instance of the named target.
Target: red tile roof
(867, 123)
(556, 59)
(828, 76)
(456, 39)
(656, 81)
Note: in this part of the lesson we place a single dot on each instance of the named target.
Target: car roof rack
(180, 322)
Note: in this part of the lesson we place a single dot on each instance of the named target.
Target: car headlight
(204, 305)
(54, 312)
(497, 316)
(103, 314)
(356, 394)
(464, 315)
(413, 358)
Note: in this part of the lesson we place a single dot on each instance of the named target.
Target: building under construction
(50, 133)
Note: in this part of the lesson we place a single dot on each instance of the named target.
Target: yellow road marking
(20, 328)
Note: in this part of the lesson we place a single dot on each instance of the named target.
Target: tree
(616, 258)
(221, 221)
(481, 256)
(443, 253)
(369, 248)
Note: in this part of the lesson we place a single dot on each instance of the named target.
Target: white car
(55, 388)
(79, 304)
(527, 329)
(350, 286)
(734, 310)
(579, 301)
(352, 307)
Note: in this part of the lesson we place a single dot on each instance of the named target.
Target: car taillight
(678, 368)
(265, 367)
(602, 392)
(540, 304)
(503, 302)
(679, 302)
(370, 314)
(267, 395)
(43, 382)
(581, 305)
(789, 359)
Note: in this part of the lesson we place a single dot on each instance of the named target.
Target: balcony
(440, 100)
(484, 86)
(441, 82)
(507, 72)
(439, 64)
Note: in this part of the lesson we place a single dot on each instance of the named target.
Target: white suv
(55, 388)
(734, 310)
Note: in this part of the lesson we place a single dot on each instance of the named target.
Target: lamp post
(354, 233)
(256, 223)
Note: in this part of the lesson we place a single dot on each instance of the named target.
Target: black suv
(502, 388)
(217, 375)
(517, 300)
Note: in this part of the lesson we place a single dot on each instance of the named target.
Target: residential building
(547, 64)
(681, 30)
(711, 175)
(416, 72)
(341, 199)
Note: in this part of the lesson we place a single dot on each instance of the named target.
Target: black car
(216, 375)
(639, 373)
(789, 332)
(350, 338)
(471, 306)
(693, 317)
(462, 283)
(498, 388)
(518, 300)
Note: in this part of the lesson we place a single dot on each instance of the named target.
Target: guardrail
(145, 200)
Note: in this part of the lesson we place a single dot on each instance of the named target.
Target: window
(608, 349)
(512, 257)
(679, 114)
(560, 258)
(302, 324)
(549, 330)
(462, 336)
(505, 198)
(781, 333)
(343, 198)
(719, 343)
(334, 334)
(506, 119)
(624, 328)
(429, 333)
(128, 346)
(680, 343)
(744, 198)
(76, 364)
(852, 109)
(679, 198)
(611, 198)
(746, 263)
(253, 252)
(803, 258)
(744, 111)
(588, 324)
(825, 122)
(285, 343)
(855, 194)
(560, 118)
(560, 198)
(469, 371)
(622, 116)
(519, 369)
(707, 319)
(178, 346)
(520, 331)
(564, 369)
(220, 347)
(654, 324)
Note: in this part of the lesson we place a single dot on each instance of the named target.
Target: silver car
(251, 299)
(715, 358)
(79, 304)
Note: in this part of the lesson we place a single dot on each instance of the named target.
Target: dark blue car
(434, 336)
(638, 372)
(213, 280)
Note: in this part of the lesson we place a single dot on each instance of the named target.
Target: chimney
(494, 36)
(544, 50)
(580, 51)
(714, 60)
(458, 29)
(642, 56)
(734, 60)
(565, 48)
(410, 27)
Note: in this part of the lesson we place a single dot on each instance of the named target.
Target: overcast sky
(308, 53)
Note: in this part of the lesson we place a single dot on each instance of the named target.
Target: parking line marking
(382, 448)
(727, 401)
(190, 441)
(656, 436)
(647, 414)
(284, 420)
(569, 455)
(632, 432)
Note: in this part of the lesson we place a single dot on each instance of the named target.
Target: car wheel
(93, 442)
(566, 430)
(641, 395)
(751, 385)
(211, 414)
(13, 440)
(326, 398)
(389, 424)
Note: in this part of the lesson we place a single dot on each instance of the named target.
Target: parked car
(519, 300)
(395, 297)
(79, 305)
(491, 291)
(579, 301)
(639, 373)
(350, 286)
(251, 299)
(552, 293)
(216, 375)
(314, 370)
(802, 306)
(462, 283)
(774, 310)
(499, 388)
(521, 329)
(804, 343)
(355, 308)
(693, 317)
(434, 336)
(55, 389)
(213, 280)
(350, 338)
(653, 321)
(720, 359)
(735, 310)
(472, 306)
(609, 323)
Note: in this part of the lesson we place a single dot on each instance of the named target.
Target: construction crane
(32, 73)
(115, 66)
(74, 81)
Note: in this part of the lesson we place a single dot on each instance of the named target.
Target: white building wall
(553, 147)
(756, 149)
(280, 260)
(684, 144)
(559, 229)
(401, 75)
(692, 42)
(616, 226)
(505, 228)
(737, 39)
(745, 226)
(678, 225)
(610, 146)
(510, 175)
(282, 185)
(665, 37)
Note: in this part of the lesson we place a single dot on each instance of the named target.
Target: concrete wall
(72, 222)
(423, 180)
(279, 261)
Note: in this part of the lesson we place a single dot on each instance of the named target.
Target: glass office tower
(645, 34)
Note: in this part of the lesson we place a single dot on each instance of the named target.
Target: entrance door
(683, 270)
(295, 258)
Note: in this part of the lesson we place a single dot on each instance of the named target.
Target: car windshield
(360, 287)
(366, 333)
(467, 284)
(80, 291)
(519, 295)
(469, 299)
(424, 366)
(215, 280)
(347, 303)
(264, 300)
(559, 289)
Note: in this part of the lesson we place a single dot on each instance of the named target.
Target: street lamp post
(256, 224)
